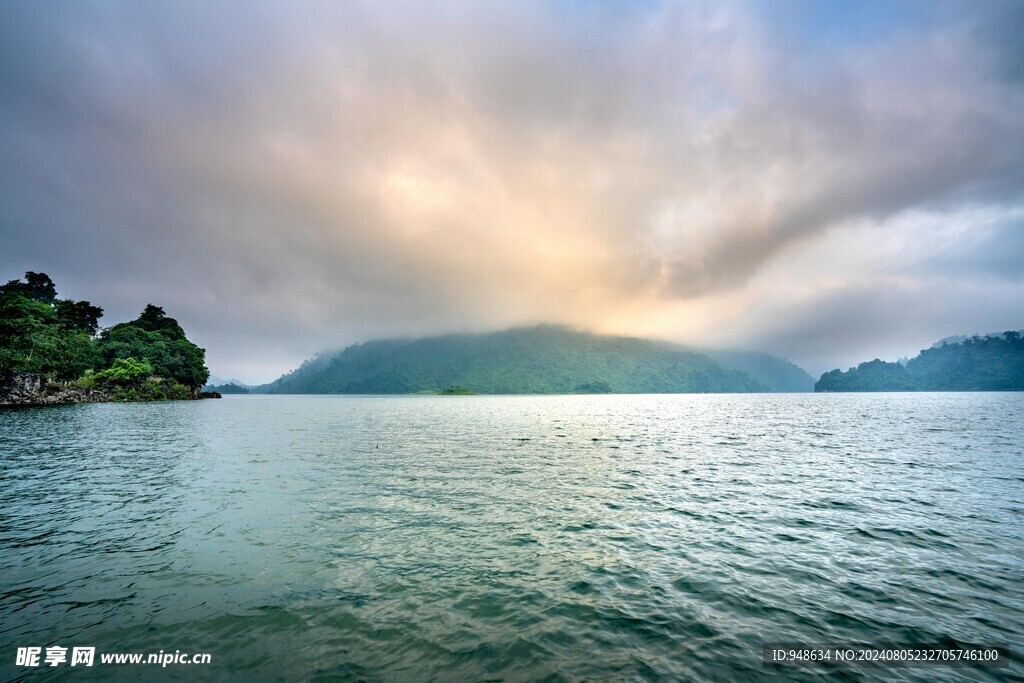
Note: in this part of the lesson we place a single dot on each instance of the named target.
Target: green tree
(161, 342)
(27, 334)
(42, 335)
(79, 316)
(37, 287)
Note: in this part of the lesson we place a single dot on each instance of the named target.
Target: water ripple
(511, 538)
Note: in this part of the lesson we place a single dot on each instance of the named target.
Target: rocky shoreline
(27, 389)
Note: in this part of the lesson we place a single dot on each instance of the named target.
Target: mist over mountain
(216, 380)
(543, 359)
(777, 374)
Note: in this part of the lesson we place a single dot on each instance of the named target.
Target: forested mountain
(988, 363)
(544, 360)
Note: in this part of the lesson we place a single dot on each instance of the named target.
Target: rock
(27, 389)
(22, 383)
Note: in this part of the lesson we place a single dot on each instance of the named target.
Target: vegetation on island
(537, 360)
(60, 340)
(991, 363)
(457, 391)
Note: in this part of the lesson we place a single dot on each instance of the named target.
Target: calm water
(510, 538)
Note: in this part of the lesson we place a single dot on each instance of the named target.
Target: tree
(154, 319)
(74, 354)
(37, 287)
(27, 333)
(79, 316)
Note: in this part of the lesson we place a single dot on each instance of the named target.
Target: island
(457, 391)
(53, 351)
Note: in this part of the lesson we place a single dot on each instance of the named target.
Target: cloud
(884, 288)
(289, 178)
(844, 327)
(991, 249)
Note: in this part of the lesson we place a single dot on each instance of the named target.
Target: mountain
(776, 374)
(990, 363)
(538, 360)
(214, 380)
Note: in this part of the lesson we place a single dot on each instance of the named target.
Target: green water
(510, 538)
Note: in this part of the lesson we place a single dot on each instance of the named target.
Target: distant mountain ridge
(777, 374)
(537, 360)
(226, 389)
(961, 338)
(214, 380)
(989, 363)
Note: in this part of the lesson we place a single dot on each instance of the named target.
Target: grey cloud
(285, 178)
(1001, 29)
(871, 143)
(993, 252)
(840, 328)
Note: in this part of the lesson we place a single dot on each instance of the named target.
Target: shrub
(87, 380)
(125, 372)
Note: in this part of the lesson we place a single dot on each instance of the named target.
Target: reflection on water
(452, 538)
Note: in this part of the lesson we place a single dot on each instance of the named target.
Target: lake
(510, 538)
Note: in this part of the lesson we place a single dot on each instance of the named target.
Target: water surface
(510, 538)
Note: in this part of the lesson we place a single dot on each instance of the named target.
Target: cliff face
(27, 389)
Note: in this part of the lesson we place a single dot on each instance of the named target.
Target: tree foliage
(57, 338)
(36, 336)
(160, 341)
(36, 287)
(27, 330)
(78, 316)
(124, 372)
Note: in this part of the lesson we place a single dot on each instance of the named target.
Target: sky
(829, 182)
